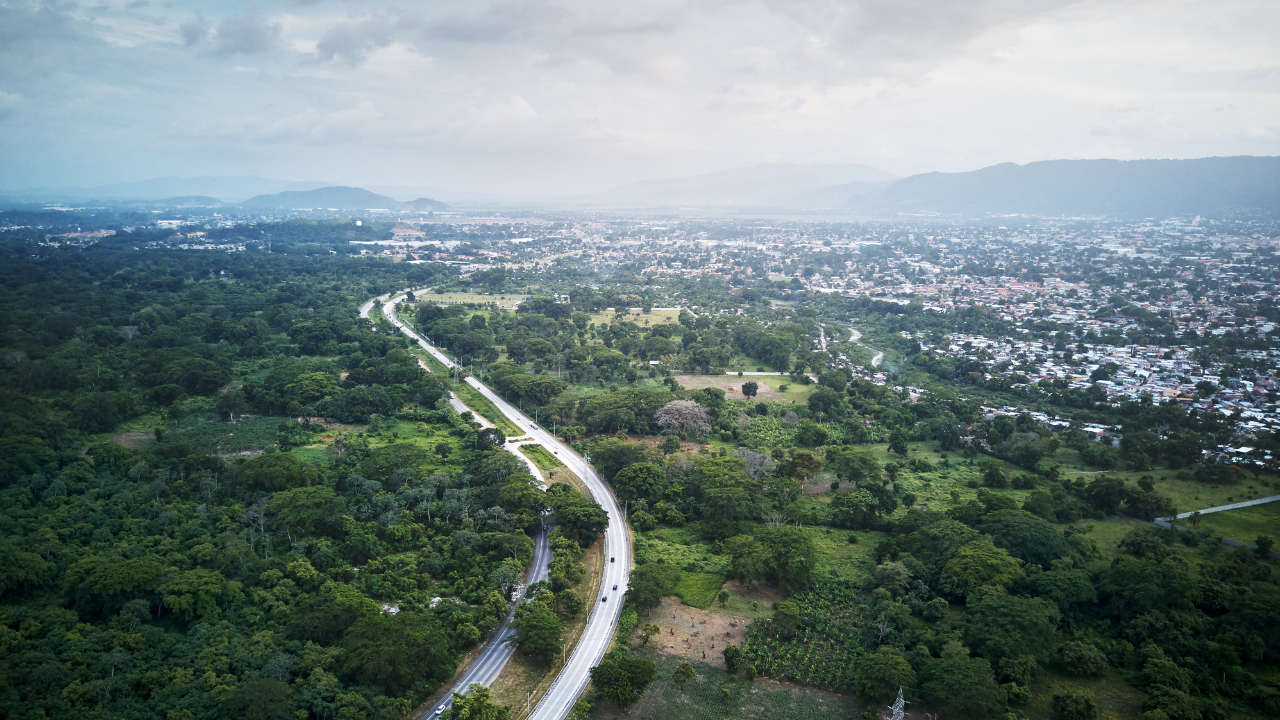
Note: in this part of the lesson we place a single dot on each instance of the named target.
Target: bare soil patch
(691, 633)
(732, 386)
(135, 440)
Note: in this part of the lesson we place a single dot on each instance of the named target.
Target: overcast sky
(577, 96)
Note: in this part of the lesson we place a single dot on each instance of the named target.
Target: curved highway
(606, 609)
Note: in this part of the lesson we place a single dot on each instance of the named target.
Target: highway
(606, 609)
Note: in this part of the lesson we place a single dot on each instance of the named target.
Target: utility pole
(268, 243)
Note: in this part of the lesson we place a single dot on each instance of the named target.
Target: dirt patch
(691, 633)
(135, 440)
(763, 593)
(732, 386)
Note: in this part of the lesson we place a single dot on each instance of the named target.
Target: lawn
(699, 589)
(769, 386)
(507, 300)
(485, 409)
(657, 316)
(702, 698)
(1244, 524)
(540, 457)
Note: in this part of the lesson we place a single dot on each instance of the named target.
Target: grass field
(209, 434)
(505, 300)
(1244, 524)
(486, 409)
(702, 698)
(699, 589)
(657, 316)
(769, 386)
(540, 457)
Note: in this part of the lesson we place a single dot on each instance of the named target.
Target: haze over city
(538, 99)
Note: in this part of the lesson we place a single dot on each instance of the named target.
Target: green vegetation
(288, 500)
(540, 457)
(1243, 525)
(698, 589)
(711, 695)
(485, 409)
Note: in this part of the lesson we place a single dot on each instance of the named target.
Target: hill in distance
(340, 197)
(768, 184)
(227, 189)
(1215, 186)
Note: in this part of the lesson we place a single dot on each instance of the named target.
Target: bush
(1074, 705)
(1081, 659)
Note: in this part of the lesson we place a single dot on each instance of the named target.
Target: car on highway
(604, 599)
(615, 587)
(611, 559)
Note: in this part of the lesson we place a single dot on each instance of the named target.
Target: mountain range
(1215, 186)
(761, 185)
(339, 197)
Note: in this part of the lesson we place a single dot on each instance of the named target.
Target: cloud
(352, 42)
(194, 31)
(249, 32)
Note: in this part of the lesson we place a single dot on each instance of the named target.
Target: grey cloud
(352, 42)
(194, 31)
(249, 32)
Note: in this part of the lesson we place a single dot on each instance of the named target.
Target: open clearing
(702, 699)
(1243, 524)
(768, 386)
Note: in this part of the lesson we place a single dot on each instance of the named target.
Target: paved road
(605, 611)
(486, 667)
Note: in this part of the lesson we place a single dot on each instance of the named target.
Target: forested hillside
(223, 494)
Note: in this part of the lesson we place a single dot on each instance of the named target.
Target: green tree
(649, 583)
(898, 442)
(260, 699)
(853, 465)
(855, 509)
(623, 678)
(803, 466)
(727, 491)
(1106, 493)
(1005, 626)
(277, 471)
(878, 677)
(1074, 705)
(733, 658)
(538, 632)
(571, 601)
(790, 555)
(960, 685)
(750, 388)
(392, 652)
(1082, 659)
(648, 632)
(747, 560)
(477, 704)
(639, 480)
(577, 517)
(309, 509)
(786, 618)
(684, 672)
(723, 597)
(993, 474)
(194, 592)
(1025, 536)
(980, 563)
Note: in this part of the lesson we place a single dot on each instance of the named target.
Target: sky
(552, 98)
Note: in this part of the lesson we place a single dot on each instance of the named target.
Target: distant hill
(191, 201)
(340, 197)
(231, 188)
(768, 184)
(1213, 186)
